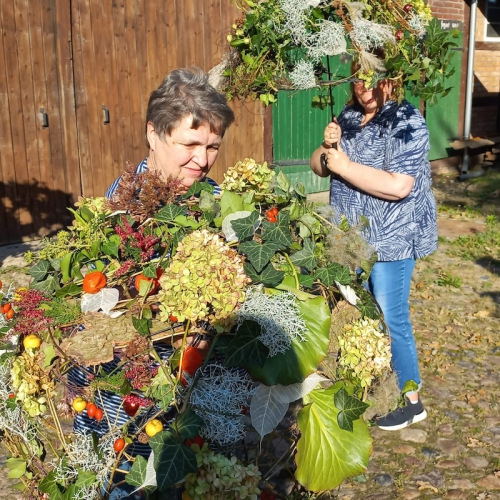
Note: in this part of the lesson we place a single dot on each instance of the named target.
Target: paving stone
(448, 464)
(490, 482)
(383, 479)
(435, 478)
(451, 447)
(405, 449)
(410, 494)
(462, 484)
(429, 453)
(456, 495)
(413, 435)
(446, 429)
(476, 463)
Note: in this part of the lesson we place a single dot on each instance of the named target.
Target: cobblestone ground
(455, 452)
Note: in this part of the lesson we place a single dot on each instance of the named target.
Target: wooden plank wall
(71, 58)
(39, 172)
(121, 53)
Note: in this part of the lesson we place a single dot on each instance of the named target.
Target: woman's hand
(333, 133)
(337, 162)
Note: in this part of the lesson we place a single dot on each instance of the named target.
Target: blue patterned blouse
(395, 140)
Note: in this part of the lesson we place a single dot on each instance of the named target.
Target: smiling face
(186, 154)
(372, 99)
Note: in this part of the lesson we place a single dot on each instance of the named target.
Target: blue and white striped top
(396, 140)
(144, 166)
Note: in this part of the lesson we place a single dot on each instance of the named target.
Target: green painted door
(443, 118)
(298, 129)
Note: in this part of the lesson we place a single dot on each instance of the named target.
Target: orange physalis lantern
(94, 281)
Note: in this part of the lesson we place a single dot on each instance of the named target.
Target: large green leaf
(137, 473)
(279, 231)
(245, 227)
(305, 257)
(70, 289)
(326, 454)
(270, 276)
(40, 270)
(16, 466)
(259, 255)
(49, 485)
(334, 272)
(187, 424)
(246, 347)
(302, 358)
(169, 212)
(47, 286)
(172, 460)
(142, 325)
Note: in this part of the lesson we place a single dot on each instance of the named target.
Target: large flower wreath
(199, 328)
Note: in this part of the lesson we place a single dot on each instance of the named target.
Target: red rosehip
(408, 8)
(400, 35)
(119, 445)
(131, 407)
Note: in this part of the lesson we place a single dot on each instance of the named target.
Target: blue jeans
(390, 282)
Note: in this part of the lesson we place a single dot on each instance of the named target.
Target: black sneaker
(402, 417)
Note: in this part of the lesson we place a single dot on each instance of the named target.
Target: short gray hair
(186, 92)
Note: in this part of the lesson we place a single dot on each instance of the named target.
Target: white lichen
(278, 316)
(218, 398)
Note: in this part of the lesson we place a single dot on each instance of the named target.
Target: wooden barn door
(38, 148)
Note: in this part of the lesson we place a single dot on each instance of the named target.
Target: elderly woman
(185, 122)
(381, 171)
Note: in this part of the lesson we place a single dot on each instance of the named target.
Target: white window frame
(486, 23)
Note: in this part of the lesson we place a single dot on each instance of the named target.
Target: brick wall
(448, 9)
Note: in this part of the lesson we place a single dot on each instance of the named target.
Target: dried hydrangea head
(246, 175)
(365, 351)
(143, 194)
(205, 280)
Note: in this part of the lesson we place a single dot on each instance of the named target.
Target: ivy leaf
(306, 280)
(137, 473)
(110, 248)
(350, 409)
(244, 228)
(246, 347)
(279, 231)
(271, 277)
(16, 466)
(149, 271)
(47, 286)
(305, 257)
(172, 460)
(334, 272)
(169, 212)
(40, 270)
(368, 307)
(141, 325)
(187, 424)
(326, 455)
(49, 485)
(70, 289)
(259, 255)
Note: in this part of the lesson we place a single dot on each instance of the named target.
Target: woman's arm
(379, 183)
(331, 137)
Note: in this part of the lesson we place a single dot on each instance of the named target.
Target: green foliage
(271, 48)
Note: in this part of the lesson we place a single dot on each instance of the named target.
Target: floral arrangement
(283, 44)
(154, 341)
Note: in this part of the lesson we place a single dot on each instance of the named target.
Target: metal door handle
(45, 118)
(105, 112)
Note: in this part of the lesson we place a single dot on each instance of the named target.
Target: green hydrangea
(205, 280)
(222, 478)
(365, 351)
(246, 175)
